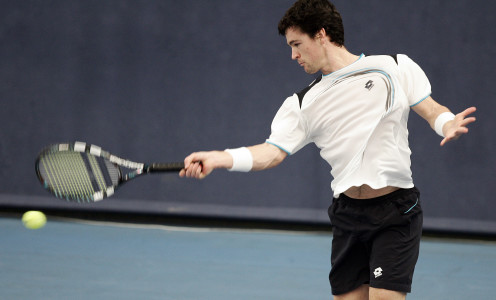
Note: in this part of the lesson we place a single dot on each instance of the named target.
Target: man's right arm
(201, 164)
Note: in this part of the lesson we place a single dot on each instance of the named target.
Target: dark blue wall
(156, 80)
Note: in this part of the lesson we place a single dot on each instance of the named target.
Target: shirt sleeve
(288, 130)
(413, 80)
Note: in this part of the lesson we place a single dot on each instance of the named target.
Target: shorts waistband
(372, 201)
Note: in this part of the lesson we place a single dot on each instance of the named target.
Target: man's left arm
(446, 124)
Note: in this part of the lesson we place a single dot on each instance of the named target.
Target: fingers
(467, 121)
(462, 119)
(455, 135)
(190, 159)
(459, 125)
(193, 170)
(468, 111)
(193, 167)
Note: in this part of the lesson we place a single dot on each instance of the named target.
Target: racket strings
(66, 175)
(77, 176)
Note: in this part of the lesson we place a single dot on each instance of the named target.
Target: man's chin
(311, 71)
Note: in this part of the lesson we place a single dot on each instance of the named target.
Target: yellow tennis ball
(33, 219)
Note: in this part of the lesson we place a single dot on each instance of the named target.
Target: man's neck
(338, 58)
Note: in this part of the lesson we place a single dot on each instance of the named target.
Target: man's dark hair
(310, 16)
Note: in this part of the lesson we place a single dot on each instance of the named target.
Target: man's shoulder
(302, 93)
(384, 57)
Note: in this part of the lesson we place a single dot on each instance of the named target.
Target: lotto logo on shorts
(378, 272)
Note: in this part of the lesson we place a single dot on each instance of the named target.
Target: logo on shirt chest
(369, 85)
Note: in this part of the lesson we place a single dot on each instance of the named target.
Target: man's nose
(294, 54)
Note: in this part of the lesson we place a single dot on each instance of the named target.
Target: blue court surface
(73, 259)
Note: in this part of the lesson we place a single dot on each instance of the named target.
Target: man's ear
(322, 35)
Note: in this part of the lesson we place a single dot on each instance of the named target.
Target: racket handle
(165, 167)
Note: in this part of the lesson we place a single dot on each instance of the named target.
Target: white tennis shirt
(357, 117)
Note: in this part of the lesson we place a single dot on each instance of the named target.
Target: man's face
(308, 51)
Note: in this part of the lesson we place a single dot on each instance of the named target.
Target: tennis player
(356, 112)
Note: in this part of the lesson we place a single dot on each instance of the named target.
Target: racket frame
(138, 169)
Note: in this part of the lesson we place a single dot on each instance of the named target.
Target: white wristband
(242, 159)
(441, 120)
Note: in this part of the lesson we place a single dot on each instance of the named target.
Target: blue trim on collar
(361, 55)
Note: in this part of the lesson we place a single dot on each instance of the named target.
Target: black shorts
(375, 241)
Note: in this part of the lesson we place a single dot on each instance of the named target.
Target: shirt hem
(399, 184)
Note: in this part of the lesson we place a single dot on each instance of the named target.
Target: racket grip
(165, 167)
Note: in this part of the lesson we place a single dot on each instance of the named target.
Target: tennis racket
(78, 172)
